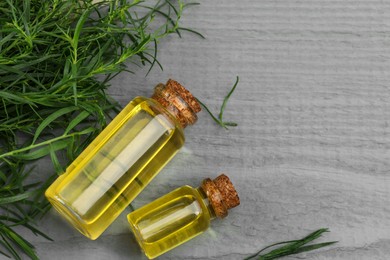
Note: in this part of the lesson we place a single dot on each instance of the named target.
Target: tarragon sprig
(292, 247)
(57, 58)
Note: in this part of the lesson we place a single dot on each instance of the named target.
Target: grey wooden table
(312, 146)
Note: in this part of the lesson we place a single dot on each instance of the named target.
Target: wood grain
(312, 146)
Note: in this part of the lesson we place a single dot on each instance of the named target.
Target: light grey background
(312, 146)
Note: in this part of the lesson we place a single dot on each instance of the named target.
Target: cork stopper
(221, 194)
(178, 100)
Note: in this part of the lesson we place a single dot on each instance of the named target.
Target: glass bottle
(181, 215)
(123, 159)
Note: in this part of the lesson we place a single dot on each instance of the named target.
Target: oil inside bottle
(171, 220)
(116, 167)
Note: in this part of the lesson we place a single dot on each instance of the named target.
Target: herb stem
(47, 142)
(219, 119)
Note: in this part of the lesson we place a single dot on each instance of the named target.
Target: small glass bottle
(181, 215)
(123, 159)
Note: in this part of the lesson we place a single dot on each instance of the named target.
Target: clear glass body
(171, 220)
(116, 166)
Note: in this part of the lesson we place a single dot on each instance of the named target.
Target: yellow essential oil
(119, 163)
(181, 215)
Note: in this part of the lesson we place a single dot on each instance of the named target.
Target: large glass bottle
(123, 159)
(181, 215)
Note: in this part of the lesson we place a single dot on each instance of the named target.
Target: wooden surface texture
(311, 149)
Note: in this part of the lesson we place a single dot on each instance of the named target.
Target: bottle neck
(178, 101)
(206, 202)
(221, 194)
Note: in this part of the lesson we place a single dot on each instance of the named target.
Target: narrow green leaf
(17, 98)
(154, 57)
(3, 177)
(37, 231)
(313, 247)
(86, 131)
(192, 31)
(66, 70)
(56, 163)
(226, 99)
(75, 43)
(230, 124)
(23, 244)
(70, 149)
(15, 198)
(76, 121)
(8, 246)
(51, 118)
(79, 26)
